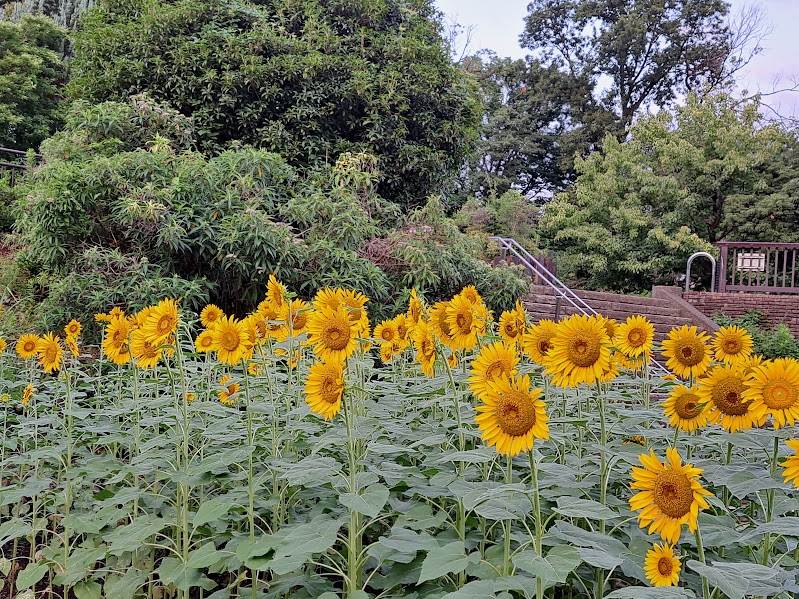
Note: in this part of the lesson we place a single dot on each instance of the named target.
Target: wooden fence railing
(758, 267)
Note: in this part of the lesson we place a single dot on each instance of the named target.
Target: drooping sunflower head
(27, 394)
(73, 328)
(26, 346)
(580, 351)
(332, 333)
(495, 361)
(228, 391)
(670, 495)
(723, 391)
(662, 566)
(72, 345)
(275, 292)
(462, 323)
(791, 464)
(425, 345)
(687, 351)
(210, 314)
(324, 387)
(512, 416)
(440, 323)
(49, 352)
(512, 324)
(161, 322)
(538, 341)
(732, 343)
(685, 409)
(635, 337)
(415, 309)
(773, 390)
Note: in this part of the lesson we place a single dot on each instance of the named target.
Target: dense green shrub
(126, 210)
(308, 79)
(777, 342)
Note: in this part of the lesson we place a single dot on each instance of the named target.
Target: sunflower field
(303, 451)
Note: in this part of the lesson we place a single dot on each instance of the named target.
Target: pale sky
(498, 23)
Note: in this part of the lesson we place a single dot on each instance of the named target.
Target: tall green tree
(31, 79)
(65, 13)
(308, 79)
(711, 171)
(650, 50)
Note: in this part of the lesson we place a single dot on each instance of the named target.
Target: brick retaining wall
(777, 308)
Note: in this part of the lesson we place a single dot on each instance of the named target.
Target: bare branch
(458, 38)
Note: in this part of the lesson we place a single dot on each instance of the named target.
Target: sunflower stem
(506, 523)
(770, 501)
(539, 526)
(701, 551)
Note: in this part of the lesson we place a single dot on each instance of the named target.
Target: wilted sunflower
(210, 314)
(324, 387)
(27, 394)
(227, 394)
(229, 338)
(687, 351)
(538, 341)
(73, 328)
(773, 390)
(386, 331)
(512, 416)
(331, 333)
(26, 346)
(723, 391)
(580, 351)
(49, 352)
(670, 495)
(662, 566)
(425, 344)
(731, 344)
(494, 361)
(143, 351)
(791, 464)
(275, 293)
(440, 324)
(115, 341)
(635, 337)
(513, 324)
(204, 342)
(461, 322)
(414, 313)
(684, 409)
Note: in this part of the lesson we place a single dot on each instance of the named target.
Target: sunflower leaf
(369, 502)
(555, 567)
(729, 582)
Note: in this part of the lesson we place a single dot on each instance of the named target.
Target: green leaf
(132, 536)
(369, 502)
(478, 589)
(314, 470)
(730, 583)
(32, 574)
(599, 558)
(12, 529)
(583, 508)
(649, 593)
(205, 556)
(555, 567)
(174, 571)
(88, 590)
(449, 558)
(125, 586)
(301, 542)
(211, 510)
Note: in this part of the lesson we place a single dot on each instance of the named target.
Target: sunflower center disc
(330, 389)
(584, 349)
(731, 345)
(49, 353)
(690, 353)
(30, 346)
(164, 324)
(336, 334)
(230, 341)
(635, 338)
(443, 324)
(779, 394)
(464, 321)
(388, 334)
(544, 346)
(673, 494)
(498, 368)
(299, 321)
(515, 413)
(664, 566)
(427, 348)
(687, 407)
(727, 396)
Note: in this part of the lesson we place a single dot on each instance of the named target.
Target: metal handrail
(688, 269)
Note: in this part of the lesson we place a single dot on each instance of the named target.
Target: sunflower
(73, 328)
(229, 338)
(512, 324)
(332, 333)
(190, 397)
(482, 316)
(204, 342)
(115, 341)
(511, 416)
(2, 345)
(791, 464)
(471, 294)
(538, 340)
(324, 387)
(637, 439)
(354, 302)
(161, 322)
(72, 346)
(414, 313)
(452, 360)
(687, 352)
(494, 361)
(254, 368)
(386, 331)
(425, 344)
(610, 325)
(401, 322)
(670, 494)
(662, 566)
(26, 346)
(439, 323)
(749, 363)
(461, 322)
(326, 298)
(210, 314)
(271, 319)
(684, 410)
(27, 394)
(387, 351)
(295, 316)
(145, 352)
(612, 371)
(773, 390)
(732, 343)
(635, 337)
(723, 391)
(275, 293)
(252, 337)
(227, 394)
(5, 398)
(580, 351)
(49, 352)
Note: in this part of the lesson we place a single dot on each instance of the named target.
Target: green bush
(778, 342)
(123, 186)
